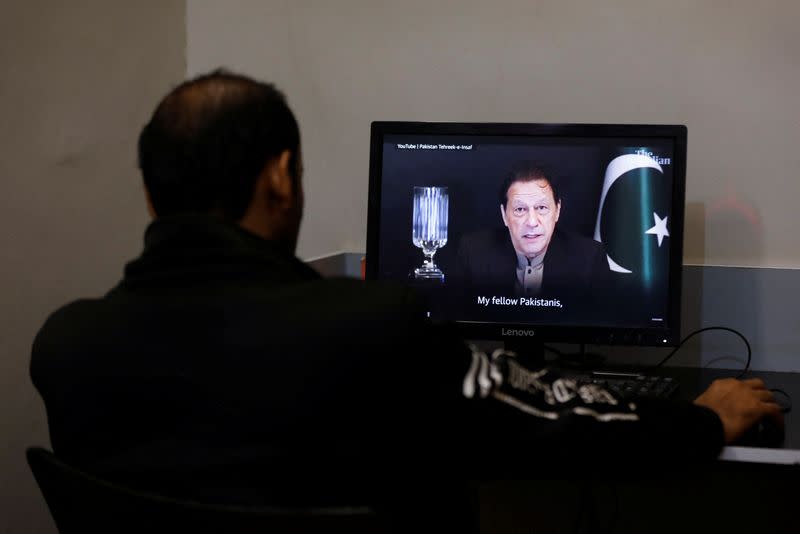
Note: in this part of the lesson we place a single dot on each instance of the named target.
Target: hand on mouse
(740, 404)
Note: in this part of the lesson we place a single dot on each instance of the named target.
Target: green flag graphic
(633, 221)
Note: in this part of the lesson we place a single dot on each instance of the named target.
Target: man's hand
(740, 404)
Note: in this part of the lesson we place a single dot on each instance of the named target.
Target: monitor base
(531, 354)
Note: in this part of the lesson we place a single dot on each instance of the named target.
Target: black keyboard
(628, 386)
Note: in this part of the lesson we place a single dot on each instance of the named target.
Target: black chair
(81, 503)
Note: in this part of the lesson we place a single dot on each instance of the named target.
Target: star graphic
(660, 228)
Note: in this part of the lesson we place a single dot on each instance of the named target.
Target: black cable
(706, 329)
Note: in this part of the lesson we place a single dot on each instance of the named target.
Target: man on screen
(532, 256)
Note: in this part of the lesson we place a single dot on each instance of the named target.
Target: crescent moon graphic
(619, 166)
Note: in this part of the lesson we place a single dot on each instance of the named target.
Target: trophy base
(434, 275)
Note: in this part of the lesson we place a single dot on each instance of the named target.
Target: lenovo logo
(518, 333)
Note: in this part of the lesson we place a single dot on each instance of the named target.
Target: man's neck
(524, 261)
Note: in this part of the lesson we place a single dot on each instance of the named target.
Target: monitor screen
(559, 232)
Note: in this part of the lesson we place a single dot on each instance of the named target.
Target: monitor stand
(531, 354)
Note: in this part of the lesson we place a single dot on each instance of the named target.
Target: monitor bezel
(669, 335)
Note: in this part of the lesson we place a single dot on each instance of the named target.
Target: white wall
(77, 82)
(727, 69)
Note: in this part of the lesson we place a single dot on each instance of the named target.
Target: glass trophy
(429, 228)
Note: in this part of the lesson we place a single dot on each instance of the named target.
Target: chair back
(82, 503)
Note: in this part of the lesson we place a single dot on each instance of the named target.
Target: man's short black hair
(528, 171)
(208, 141)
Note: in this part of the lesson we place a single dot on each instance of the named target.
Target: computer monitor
(533, 232)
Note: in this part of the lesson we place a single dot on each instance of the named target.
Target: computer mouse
(767, 433)
(782, 399)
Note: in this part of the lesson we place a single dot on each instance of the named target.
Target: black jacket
(221, 367)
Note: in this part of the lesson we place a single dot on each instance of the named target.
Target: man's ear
(503, 214)
(280, 182)
(558, 210)
(150, 209)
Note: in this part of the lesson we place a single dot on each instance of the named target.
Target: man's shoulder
(86, 333)
(576, 243)
(67, 319)
(485, 240)
(578, 258)
(337, 298)
(69, 326)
